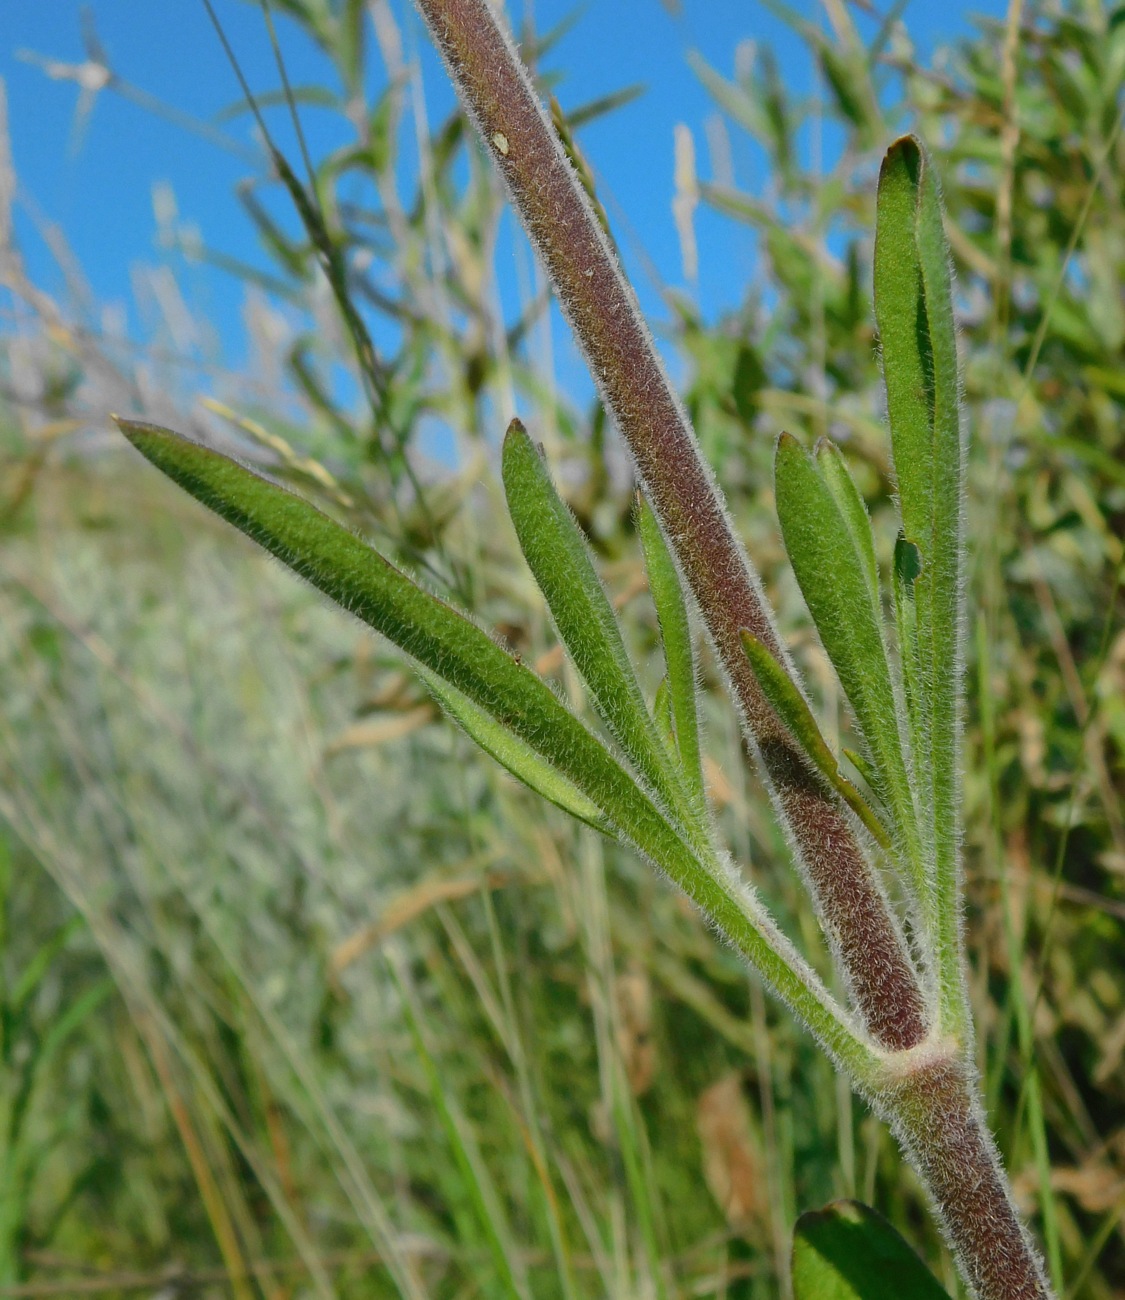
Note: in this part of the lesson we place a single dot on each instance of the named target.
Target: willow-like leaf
(834, 470)
(437, 636)
(914, 312)
(662, 713)
(834, 578)
(559, 557)
(459, 653)
(790, 706)
(675, 634)
(514, 754)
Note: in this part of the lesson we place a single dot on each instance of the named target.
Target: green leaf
(511, 752)
(662, 712)
(460, 654)
(790, 706)
(40, 964)
(434, 634)
(833, 570)
(679, 653)
(914, 312)
(834, 470)
(908, 565)
(848, 1251)
(559, 557)
(595, 108)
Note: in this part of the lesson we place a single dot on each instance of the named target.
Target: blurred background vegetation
(299, 995)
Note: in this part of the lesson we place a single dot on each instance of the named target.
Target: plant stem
(938, 1119)
(603, 311)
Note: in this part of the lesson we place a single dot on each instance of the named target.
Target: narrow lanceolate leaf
(442, 640)
(864, 768)
(662, 712)
(834, 576)
(463, 657)
(511, 752)
(675, 634)
(914, 312)
(834, 470)
(790, 706)
(559, 557)
(907, 567)
(848, 1251)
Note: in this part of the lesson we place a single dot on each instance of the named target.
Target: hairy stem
(602, 310)
(937, 1117)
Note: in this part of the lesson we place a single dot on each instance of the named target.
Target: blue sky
(96, 184)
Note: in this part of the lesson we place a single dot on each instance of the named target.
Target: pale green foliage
(445, 642)
(513, 753)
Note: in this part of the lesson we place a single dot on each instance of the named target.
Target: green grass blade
(679, 655)
(560, 559)
(834, 576)
(476, 1181)
(913, 308)
(511, 752)
(32, 975)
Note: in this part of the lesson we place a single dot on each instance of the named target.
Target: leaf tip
(825, 449)
(518, 451)
(788, 450)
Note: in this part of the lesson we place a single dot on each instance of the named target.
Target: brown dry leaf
(550, 661)
(732, 1165)
(379, 731)
(404, 908)
(633, 994)
(1033, 748)
(1097, 1187)
(720, 792)
(1113, 1053)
